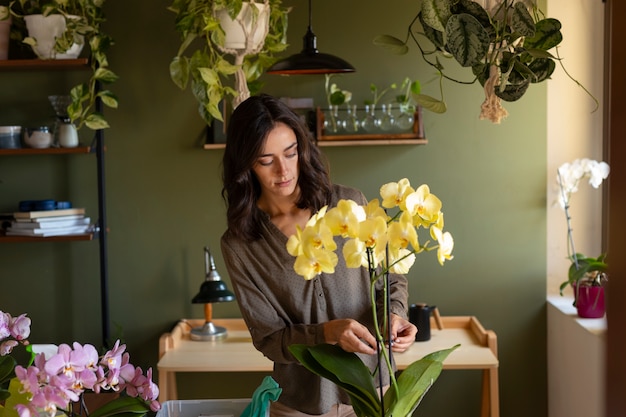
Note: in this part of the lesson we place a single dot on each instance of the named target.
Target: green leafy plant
(507, 47)
(83, 21)
(204, 62)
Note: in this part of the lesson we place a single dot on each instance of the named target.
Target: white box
(203, 408)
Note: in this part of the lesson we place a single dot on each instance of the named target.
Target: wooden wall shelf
(43, 64)
(45, 151)
(414, 137)
(66, 238)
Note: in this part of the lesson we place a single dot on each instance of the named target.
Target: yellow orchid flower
(317, 217)
(438, 224)
(294, 243)
(423, 205)
(343, 220)
(395, 193)
(446, 243)
(373, 209)
(317, 237)
(315, 262)
(354, 254)
(373, 231)
(402, 233)
(401, 261)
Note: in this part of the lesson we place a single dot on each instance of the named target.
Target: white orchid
(570, 174)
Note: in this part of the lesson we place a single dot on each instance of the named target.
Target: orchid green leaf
(415, 380)
(122, 406)
(344, 369)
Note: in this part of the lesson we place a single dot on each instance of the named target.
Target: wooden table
(235, 353)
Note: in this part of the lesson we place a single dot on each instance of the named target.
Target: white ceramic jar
(38, 137)
(67, 134)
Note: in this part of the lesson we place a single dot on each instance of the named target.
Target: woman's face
(277, 166)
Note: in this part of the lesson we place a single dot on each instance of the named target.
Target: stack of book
(49, 223)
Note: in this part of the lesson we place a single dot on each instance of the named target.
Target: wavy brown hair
(247, 132)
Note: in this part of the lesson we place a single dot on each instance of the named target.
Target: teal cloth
(260, 403)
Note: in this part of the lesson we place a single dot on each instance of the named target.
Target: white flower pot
(239, 30)
(45, 30)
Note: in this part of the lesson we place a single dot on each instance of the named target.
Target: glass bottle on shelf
(332, 123)
(351, 123)
(370, 123)
(404, 120)
(387, 120)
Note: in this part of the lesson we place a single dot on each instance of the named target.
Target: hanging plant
(507, 46)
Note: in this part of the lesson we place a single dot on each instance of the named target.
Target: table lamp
(213, 290)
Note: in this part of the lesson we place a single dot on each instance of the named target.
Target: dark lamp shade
(213, 292)
(310, 60)
(315, 63)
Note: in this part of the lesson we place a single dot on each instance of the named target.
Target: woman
(274, 179)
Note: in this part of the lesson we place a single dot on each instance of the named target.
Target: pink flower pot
(590, 301)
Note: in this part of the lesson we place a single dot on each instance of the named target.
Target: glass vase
(406, 117)
(351, 122)
(370, 123)
(387, 121)
(332, 123)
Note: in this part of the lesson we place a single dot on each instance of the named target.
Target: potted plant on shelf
(587, 275)
(82, 21)
(506, 43)
(206, 27)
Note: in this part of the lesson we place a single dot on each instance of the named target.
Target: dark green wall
(164, 202)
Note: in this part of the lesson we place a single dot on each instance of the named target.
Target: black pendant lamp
(310, 60)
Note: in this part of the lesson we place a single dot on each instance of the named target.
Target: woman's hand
(402, 333)
(351, 336)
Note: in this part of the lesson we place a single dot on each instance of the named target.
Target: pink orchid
(5, 319)
(113, 358)
(7, 346)
(20, 327)
(56, 382)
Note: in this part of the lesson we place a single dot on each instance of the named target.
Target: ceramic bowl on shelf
(38, 137)
(10, 137)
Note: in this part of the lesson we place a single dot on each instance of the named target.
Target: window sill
(564, 305)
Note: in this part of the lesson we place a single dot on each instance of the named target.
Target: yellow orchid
(317, 237)
(402, 233)
(373, 209)
(355, 254)
(401, 260)
(314, 262)
(344, 219)
(317, 216)
(446, 243)
(294, 246)
(383, 244)
(373, 231)
(395, 193)
(423, 206)
(438, 224)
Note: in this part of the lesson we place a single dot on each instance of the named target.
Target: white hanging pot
(244, 27)
(45, 30)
